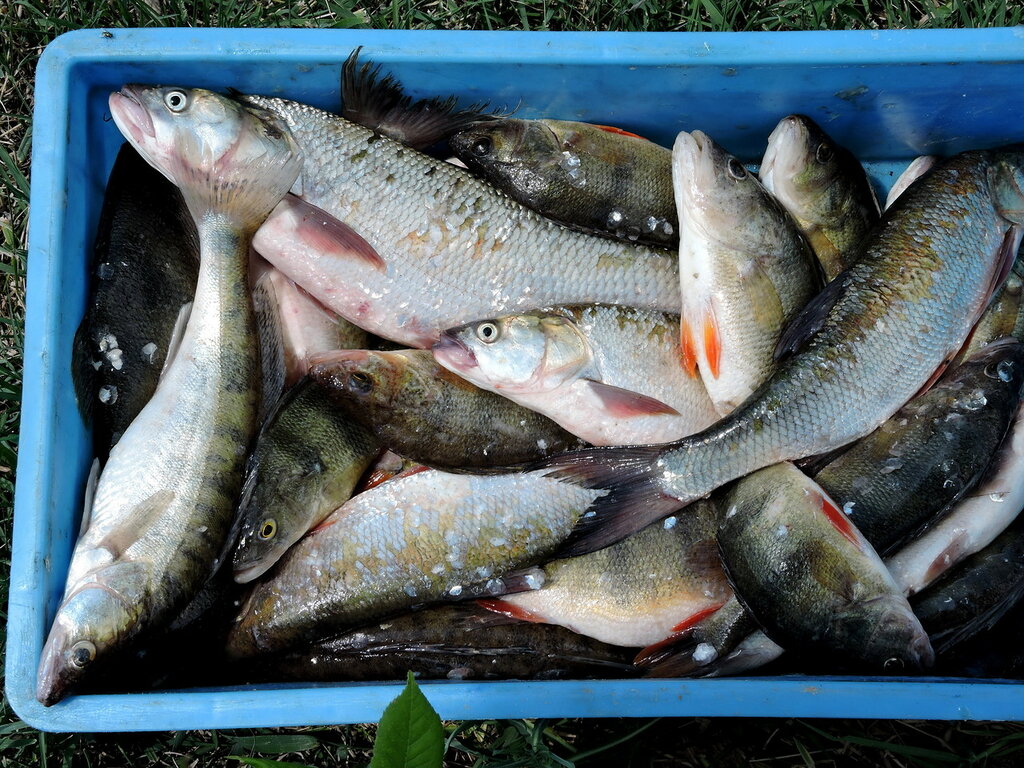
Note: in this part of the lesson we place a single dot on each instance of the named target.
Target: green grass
(27, 25)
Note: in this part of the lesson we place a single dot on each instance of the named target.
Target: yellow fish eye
(268, 528)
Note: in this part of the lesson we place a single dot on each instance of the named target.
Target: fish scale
(821, 398)
(408, 541)
(163, 503)
(453, 248)
(861, 349)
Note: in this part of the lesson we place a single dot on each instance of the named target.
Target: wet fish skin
(920, 463)
(308, 458)
(745, 270)
(976, 521)
(292, 326)
(450, 642)
(591, 177)
(444, 249)
(146, 264)
(429, 415)
(611, 375)
(824, 188)
(873, 338)
(163, 503)
(1000, 319)
(811, 580)
(636, 592)
(413, 540)
(974, 595)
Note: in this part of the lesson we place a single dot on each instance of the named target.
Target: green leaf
(410, 733)
(260, 762)
(274, 744)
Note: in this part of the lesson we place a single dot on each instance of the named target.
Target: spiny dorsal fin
(380, 104)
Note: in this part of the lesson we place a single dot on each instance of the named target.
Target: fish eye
(893, 665)
(82, 653)
(487, 333)
(736, 169)
(176, 101)
(481, 147)
(823, 153)
(268, 528)
(360, 383)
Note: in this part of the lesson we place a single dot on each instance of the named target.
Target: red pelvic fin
(510, 610)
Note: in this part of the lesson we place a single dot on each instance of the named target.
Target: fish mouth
(450, 350)
(130, 116)
(247, 573)
(787, 144)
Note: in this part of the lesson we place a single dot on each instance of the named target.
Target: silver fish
(404, 245)
(163, 503)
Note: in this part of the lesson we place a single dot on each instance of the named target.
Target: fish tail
(634, 499)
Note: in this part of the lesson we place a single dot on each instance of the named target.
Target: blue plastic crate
(889, 96)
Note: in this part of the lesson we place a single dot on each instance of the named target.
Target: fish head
(895, 641)
(800, 163)
(92, 622)
(267, 508)
(223, 155)
(1006, 179)
(532, 352)
(493, 142)
(715, 193)
(356, 376)
(520, 153)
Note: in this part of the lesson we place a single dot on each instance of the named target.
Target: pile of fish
(570, 404)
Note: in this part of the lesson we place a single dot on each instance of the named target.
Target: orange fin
(840, 522)
(324, 234)
(624, 404)
(510, 610)
(655, 652)
(712, 342)
(613, 129)
(697, 618)
(688, 349)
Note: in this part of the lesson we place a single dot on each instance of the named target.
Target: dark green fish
(593, 178)
(921, 462)
(811, 580)
(427, 414)
(823, 186)
(976, 594)
(898, 479)
(308, 458)
(146, 262)
(457, 642)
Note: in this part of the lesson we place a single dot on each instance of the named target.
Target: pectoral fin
(322, 233)
(142, 517)
(625, 404)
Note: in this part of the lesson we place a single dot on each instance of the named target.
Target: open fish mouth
(450, 349)
(129, 114)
